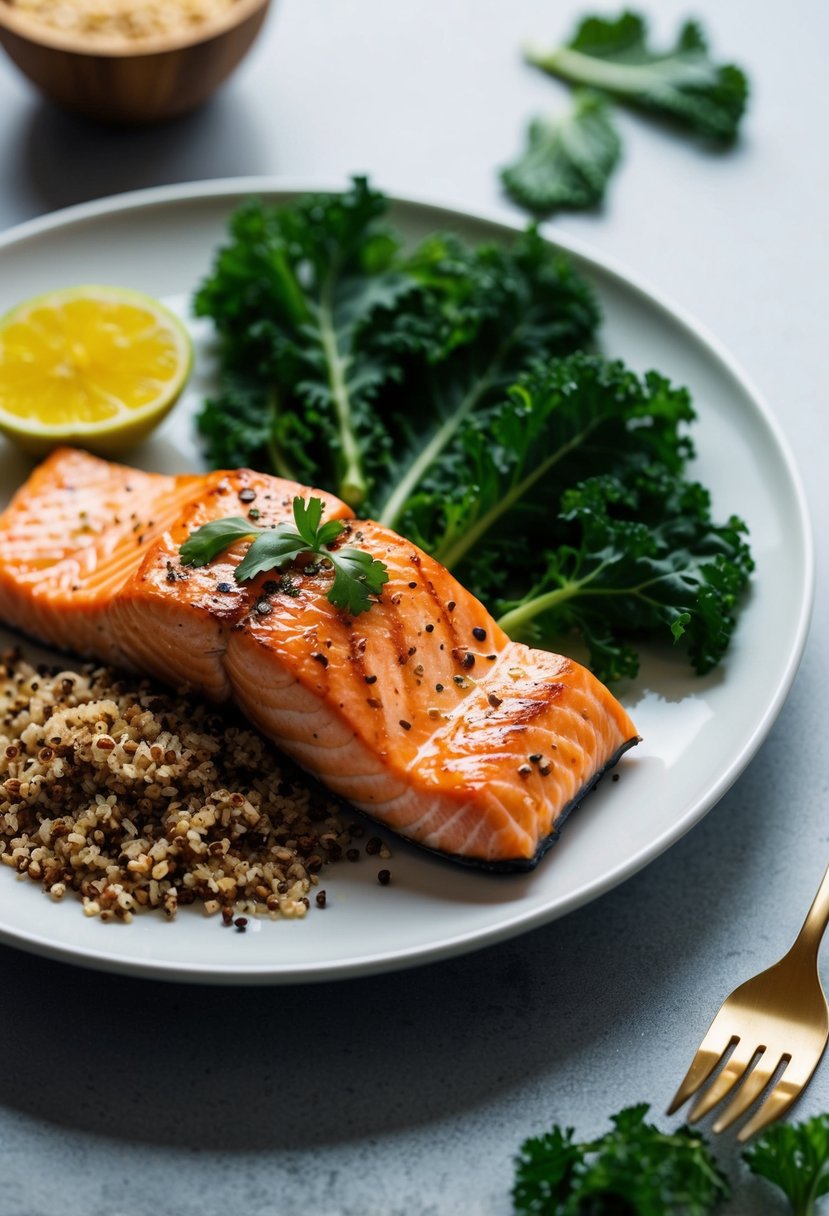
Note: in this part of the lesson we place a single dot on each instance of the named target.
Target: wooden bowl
(146, 80)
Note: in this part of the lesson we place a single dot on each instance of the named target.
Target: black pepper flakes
(535, 757)
(384, 877)
(615, 777)
(370, 679)
(373, 846)
(241, 923)
(319, 658)
(412, 586)
(524, 770)
(406, 725)
(320, 899)
(430, 629)
(438, 688)
(468, 659)
(352, 854)
(494, 700)
(451, 606)
(479, 634)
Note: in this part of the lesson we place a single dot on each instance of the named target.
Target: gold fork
(778, 1017)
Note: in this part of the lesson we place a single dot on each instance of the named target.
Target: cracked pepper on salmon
(420, 712)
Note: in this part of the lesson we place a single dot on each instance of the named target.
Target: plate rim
(234, 189)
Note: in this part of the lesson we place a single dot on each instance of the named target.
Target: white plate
(699, 734)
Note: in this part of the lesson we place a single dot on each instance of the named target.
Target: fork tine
(795, 1077)
(749, 1091)
(710, 1052)
(733, 1072)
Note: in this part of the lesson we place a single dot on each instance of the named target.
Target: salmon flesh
(421, 711)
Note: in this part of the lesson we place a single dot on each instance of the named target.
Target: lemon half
(95, 366)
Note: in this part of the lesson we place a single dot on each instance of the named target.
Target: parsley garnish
(795, 1157)
(358, 577)
(633, 1169)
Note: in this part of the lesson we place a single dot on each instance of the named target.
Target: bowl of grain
(129, 61)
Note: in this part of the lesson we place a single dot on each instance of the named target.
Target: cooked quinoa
(138, 799)
(127, 19)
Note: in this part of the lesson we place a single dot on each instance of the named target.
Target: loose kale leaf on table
(682, 83)
(568, 158)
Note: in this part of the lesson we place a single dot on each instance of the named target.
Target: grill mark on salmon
(421, 712)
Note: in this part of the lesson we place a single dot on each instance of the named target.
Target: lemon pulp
(96, 365)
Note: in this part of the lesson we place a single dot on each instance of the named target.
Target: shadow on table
(66, 160)
(250, 1069)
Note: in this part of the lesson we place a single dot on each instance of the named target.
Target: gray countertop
(410, 1093)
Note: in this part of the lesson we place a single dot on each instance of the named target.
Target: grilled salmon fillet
(421, 711)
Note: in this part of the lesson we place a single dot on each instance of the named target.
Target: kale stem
(514, 621)
(352, 485)
(457, 550)
(624, 78)
(278, 459)
(394, 505)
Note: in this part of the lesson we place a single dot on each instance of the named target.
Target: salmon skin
(421, 711)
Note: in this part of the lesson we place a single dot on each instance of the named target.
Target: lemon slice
(95, 366)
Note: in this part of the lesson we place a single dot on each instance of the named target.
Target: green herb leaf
(633, 1170)
(795, 1157)
(682, 83)
(212, 539)
(568, 159)
(307, 518)
(272, 550)
(358, 577)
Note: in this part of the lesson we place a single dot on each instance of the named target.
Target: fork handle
(814, 926)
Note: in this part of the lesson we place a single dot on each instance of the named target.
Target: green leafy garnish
(568, 158)
(795, 1157)
(633, 1170)
(358, 577)
(682, 83)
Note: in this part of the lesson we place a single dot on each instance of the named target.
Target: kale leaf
(644, 556)
(505, 473)
(568, 158)
(489, 314)
(296, 298)
(795, 1157)
(682, 84)
(632, 1170)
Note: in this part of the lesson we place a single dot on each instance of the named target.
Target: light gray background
(409, 1094)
